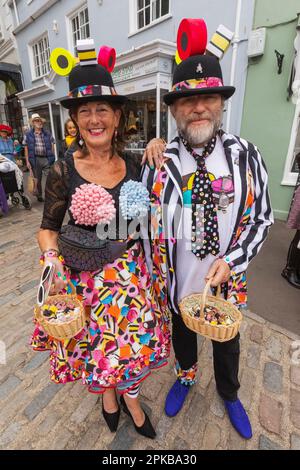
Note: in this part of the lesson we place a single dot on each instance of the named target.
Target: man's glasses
(45, 284)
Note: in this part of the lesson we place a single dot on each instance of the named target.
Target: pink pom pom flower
(91, 204)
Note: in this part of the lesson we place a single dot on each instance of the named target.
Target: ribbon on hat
(92, 90)
(210, 82)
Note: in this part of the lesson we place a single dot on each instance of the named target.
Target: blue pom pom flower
(134, 200)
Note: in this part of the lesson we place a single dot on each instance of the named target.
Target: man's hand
(218, 273)
(154, 153)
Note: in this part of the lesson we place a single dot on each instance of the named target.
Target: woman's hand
(218, 273)
(60, 278)
(154, 153)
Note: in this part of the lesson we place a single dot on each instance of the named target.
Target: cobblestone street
(38, 414)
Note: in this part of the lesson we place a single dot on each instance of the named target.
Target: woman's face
(71, 129)
(3, 134)
(97, 122)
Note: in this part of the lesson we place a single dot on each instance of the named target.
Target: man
(39, 151)
(210, 214)
(7, 146)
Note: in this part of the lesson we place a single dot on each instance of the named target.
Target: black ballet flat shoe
(291, 276)
(146, 429)
(111, 419)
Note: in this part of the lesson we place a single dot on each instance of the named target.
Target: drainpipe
(235, 41)
(158, 105)
(16, 12)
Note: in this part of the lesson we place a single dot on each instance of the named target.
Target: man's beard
(195, 135)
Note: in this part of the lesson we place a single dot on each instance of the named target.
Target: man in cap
(39, 151)
(211, 213)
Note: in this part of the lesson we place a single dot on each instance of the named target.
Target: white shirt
(191, 271)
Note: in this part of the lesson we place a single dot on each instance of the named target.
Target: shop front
(144, 76)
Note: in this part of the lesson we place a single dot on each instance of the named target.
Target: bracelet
(52, 253)
(58, 256)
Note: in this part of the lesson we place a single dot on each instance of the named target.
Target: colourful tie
(205, 233)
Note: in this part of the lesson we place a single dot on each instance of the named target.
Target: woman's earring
(116, 134)
(81, 141)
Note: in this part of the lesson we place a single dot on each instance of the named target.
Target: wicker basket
(219, 333)
(64, 330)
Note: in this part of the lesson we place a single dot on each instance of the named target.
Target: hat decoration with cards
(89, 74)
(198, 69)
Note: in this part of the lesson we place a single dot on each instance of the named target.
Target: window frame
(75, 13)
(33, 43)
(290, 177)
(133, 16)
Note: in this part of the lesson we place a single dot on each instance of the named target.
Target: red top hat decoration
(191, 37)
(107, 57)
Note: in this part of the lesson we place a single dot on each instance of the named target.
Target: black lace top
(62, 181)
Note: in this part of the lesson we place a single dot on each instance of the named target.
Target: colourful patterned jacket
(252, 216)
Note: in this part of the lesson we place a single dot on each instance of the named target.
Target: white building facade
(143, 32)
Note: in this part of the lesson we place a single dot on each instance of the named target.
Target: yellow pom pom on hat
(62, 61)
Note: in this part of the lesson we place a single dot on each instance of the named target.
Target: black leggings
(226, 357)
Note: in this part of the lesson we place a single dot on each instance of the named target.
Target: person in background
(291, 272)
(7, 146)
(70, 137)
(39, 151)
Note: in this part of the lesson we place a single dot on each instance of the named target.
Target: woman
(127, 334)
(7, 146)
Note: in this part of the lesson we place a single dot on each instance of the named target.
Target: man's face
(37, 124)
(198, 117)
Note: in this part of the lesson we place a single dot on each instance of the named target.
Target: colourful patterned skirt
(126, 335)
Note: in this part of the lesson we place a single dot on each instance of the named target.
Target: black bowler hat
(198, 75)
(90, 79)
(91, 83)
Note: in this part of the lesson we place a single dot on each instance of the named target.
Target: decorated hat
(198, 69)
(89, 76)
(5, 128)
(36, 117)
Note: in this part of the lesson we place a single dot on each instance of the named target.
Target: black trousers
(225, 356)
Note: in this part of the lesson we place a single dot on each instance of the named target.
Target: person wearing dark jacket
(39, 151)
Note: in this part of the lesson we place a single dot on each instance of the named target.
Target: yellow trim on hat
(87, 55)
(221, 42)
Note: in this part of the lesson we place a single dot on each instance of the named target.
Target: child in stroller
(11, 178)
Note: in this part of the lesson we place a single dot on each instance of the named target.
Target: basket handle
(204, 296)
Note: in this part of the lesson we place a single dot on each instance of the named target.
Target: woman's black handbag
(84, 251)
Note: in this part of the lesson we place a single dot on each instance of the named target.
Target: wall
(267, 115)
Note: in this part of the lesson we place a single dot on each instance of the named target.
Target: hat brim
(31, 121)
(225, 91)
(69, 103)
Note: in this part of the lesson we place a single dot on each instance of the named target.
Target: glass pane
(140, 4)
(147, 16)
(87, 31)
(141, 19)
(81, 18)
(147, 3)
(155, 9)
(164, 7)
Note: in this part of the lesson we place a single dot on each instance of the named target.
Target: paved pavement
(37, 414)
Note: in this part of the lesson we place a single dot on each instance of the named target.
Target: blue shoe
(239, 418)
(175, 398)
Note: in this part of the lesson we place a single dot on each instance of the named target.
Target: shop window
(80, 25)
(40, 54)
(148, 11)
(141, 121)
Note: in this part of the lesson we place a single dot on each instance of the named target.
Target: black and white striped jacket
(252, 213)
